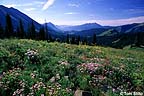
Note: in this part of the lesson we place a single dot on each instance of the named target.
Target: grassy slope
(50, 54)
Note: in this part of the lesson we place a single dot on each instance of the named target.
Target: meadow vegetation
(38, 68)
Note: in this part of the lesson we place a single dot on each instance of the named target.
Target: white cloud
(122, 21)
(19, 5)
(11, 5)
(134, 11)
(39, 2)
(30, 9)
(25, 5)
(48, 4)
(71, 13)
(73, 5)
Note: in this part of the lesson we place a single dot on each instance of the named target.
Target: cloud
(71, 13)
(134, 11)
(48, 4)
(30, 9)
(11, 5)
(18, 5)
(25, 5)
(122, 21)
(39, 2)
(73, 5)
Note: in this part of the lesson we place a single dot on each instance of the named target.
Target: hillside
(40, 68)
(16, 16)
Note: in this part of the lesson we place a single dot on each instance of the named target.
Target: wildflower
(63, 63)
(57, 76)
(52, 79)
(88, 67)
(31, 53)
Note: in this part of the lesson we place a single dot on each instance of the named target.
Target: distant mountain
(121, 36)
(127, 28)
(130, 28)
(86, 26)
(54, 31)
(87, 33)
(52, 27)
(16, 15)
(138, 28)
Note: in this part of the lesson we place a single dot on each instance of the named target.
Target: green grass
(19, 71)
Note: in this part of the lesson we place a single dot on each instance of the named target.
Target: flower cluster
(88, 67)
(36, 87)
(52, 90)
(57, 90)
(18, 92)
(65, 63)
(32, 75)
(107, 77)
(54, 78)
(97, 59)
(10, 78)
(31, 53)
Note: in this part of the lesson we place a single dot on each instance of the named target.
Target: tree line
(42, 34)
(9, 32)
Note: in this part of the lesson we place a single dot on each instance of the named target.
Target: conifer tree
(28, 33)
(73, 40)
(17, 32)
(85, 41)
(46, 31)
(78, 40)
(1, 32)
(94, 39)
(9, 26)
(21, 29)
(50, 38)
(67, 39)
(42, 34)
(32, 31)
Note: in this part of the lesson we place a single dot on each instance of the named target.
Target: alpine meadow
(71, 48)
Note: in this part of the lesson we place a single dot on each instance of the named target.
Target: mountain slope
(16, 15)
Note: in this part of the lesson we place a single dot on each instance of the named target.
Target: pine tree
(67, 39)
(1, 32)
(21, 29)
(32, 31)
(9, 26)
(78, 40)
(17, 32)
(46, 32)
(42, 34)
(28, 33)
(50, 38)
(85, 41)
(94, 39)
(140, 39)
(73, 40)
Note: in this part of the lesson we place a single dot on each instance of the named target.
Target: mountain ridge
(85, 26)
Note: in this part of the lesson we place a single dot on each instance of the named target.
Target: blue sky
(75, 12)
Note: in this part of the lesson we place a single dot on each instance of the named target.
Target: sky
(76, 12)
